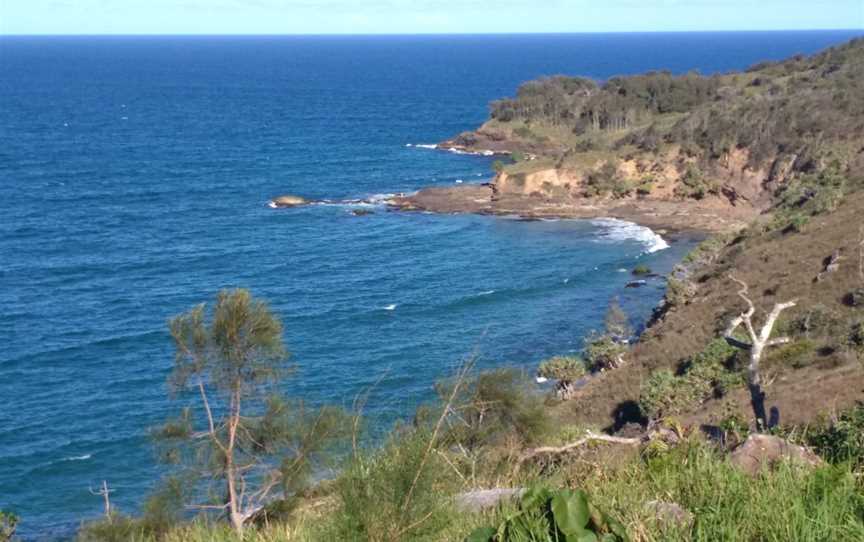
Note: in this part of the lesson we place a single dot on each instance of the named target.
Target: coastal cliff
(704, 152)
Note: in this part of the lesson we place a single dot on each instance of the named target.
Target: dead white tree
(757, 345)
(105, 493)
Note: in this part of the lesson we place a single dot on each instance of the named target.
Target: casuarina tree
(243, 443)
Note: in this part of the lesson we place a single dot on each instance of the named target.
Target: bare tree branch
(759, 341)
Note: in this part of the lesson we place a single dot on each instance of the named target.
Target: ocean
(134, 178)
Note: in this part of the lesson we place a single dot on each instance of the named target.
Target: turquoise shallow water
(134, 176)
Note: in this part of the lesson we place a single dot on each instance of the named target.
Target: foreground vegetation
(485, 430)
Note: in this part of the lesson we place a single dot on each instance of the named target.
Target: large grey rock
(765, 451)
(483, 499)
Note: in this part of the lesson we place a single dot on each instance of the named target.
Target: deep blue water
(134, 174)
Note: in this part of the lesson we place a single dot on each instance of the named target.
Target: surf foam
(621, 230)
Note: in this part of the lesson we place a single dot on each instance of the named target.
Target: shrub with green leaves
(562, 368)
(8, 525)
(554, 515)
(400, 492)
(602, 352)
(796, 355)
(842, 440)
(706, 374)
(494, 405)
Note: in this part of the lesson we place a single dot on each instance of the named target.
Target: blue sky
(419, 16)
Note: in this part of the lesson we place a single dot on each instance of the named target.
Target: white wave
(541, 379)
(459, 181)
(621, 230)
(84, 457)
(487, 292)
(272, 204)
(566, 281)
(622, 270)
(423, 145)
(391, 307)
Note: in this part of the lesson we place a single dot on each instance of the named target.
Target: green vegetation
(545, 514)
(563, 368)
(710, 373)
(8, 525)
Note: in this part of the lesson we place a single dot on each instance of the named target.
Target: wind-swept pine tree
(245, 444)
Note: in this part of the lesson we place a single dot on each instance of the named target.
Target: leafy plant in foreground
(555, 515)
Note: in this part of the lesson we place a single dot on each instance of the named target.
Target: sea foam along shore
(616, 229)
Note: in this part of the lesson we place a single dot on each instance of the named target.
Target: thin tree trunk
(234, 515)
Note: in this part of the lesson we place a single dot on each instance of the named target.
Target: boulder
(761, 451)
(288, 201)
(483, 499)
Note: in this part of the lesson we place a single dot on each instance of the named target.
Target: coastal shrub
(603, 352)
(815, 322)
(616, 322)
(498, 166)
(8, 525)
(694, 185)
(679, 292)
(544, 514)
(563, 368)
(796, 355)
(843, 439)
(604, 180)
(661, 395)
(641, 269)
(493, 406)
(709, 373)
(644, 188)
(400, 492)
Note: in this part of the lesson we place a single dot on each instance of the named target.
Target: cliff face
(731, 141)
(737, 184)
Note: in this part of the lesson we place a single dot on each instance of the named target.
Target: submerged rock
(761, 451)
(361, 212)
(288, 201)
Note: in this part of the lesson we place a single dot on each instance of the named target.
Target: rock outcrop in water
(288, 201)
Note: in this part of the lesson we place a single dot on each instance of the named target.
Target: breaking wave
(621, 230)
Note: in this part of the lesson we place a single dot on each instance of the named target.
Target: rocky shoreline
(660, 215)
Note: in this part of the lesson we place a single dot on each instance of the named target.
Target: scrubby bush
(709, 373)
(796, 355)
(493, 406)
(562, 368)
(679, 292)
(842, 440)
(693, 184)
(401, 492)
(603, 352)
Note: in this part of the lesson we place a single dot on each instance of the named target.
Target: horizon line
(412, 34)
